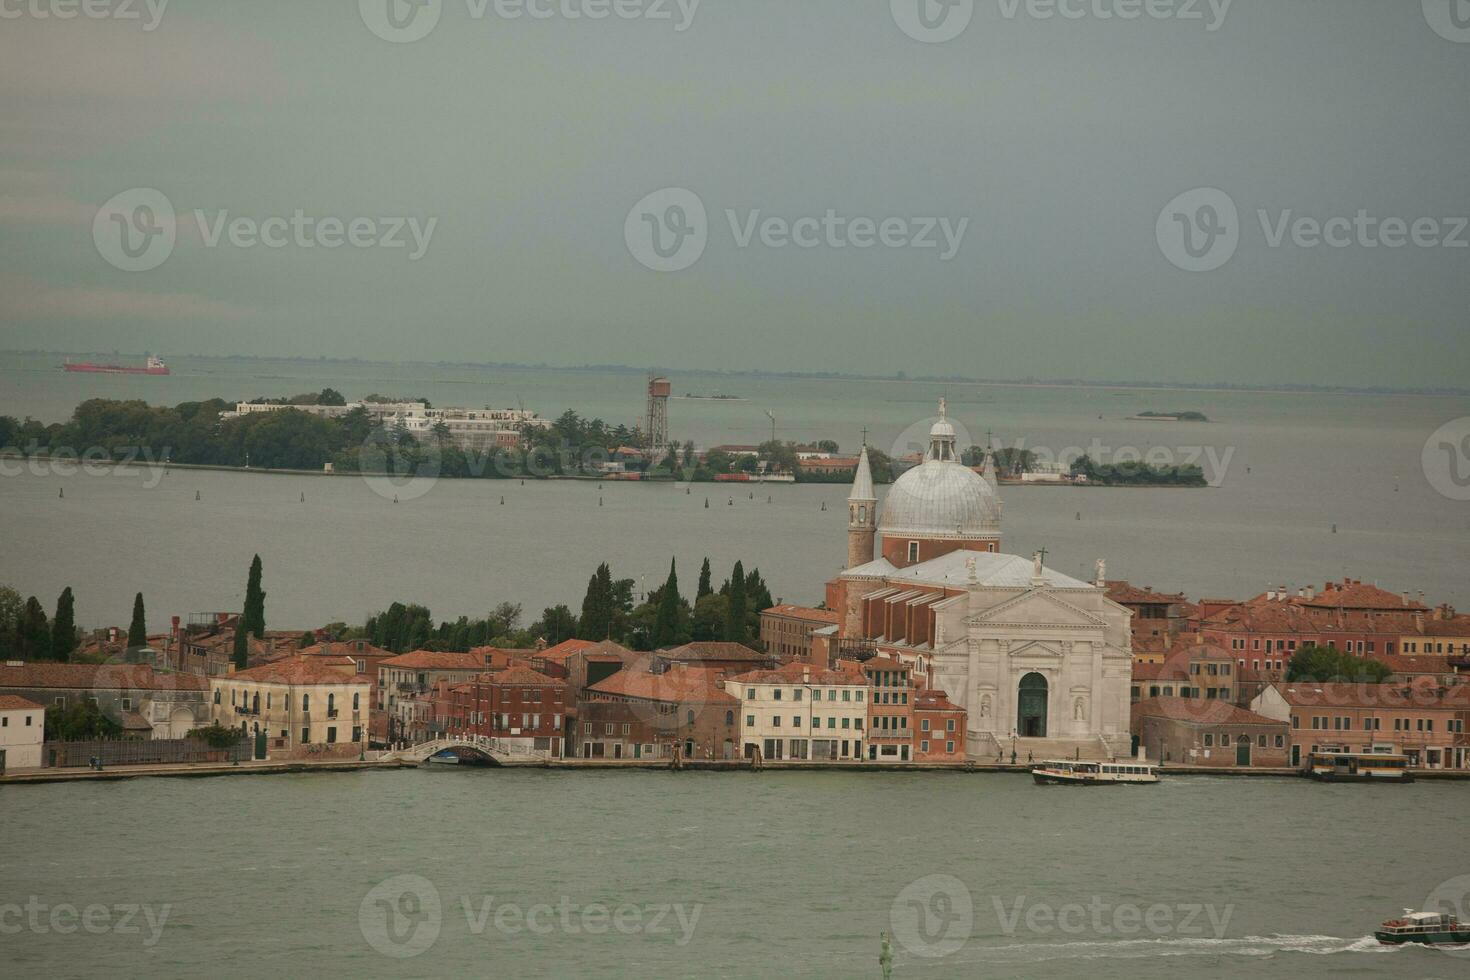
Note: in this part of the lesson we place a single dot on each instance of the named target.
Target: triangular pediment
(1037, 607)
(1036, 648)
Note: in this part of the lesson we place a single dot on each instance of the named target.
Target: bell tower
(862, 514)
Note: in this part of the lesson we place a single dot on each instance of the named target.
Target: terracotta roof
(686, 685)
(14, 702)
(1410, 664)
(804, 612)
(106, 677)
(1417, 694)
(708, 651)
(1201, 711)
(344, 648)
(300, 670)
(1352, 594)
(521, 675)
(934, 701)
(799, 673)
(436, 660)
(563, 650)
(1123, 592)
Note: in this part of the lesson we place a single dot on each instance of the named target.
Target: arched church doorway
(1031, 707)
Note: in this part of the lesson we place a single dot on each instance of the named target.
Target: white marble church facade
(1041, 661)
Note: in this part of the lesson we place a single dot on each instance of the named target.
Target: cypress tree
(666, 626)
(138, 628)
(34, 633)
(241, 655)
(253, 619)
(64, 627)
(735, 630)
(597, 606)
(704, 586)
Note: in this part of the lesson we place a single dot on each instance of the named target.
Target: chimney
(1310, 592)
(1406, 596)
(112, 634)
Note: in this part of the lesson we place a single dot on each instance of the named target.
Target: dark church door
(1031, 710)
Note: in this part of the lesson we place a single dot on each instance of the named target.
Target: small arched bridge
(479, 749)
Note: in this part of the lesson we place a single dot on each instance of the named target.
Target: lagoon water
(775, 874)
(1286, 468)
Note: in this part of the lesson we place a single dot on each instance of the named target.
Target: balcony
(332, 712)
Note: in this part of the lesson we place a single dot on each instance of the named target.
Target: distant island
(1168, 417)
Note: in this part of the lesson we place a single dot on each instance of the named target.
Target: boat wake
(1203, 946)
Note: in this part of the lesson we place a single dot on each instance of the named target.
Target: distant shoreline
(1115, 385)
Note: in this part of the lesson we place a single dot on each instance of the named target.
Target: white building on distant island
(470, 429)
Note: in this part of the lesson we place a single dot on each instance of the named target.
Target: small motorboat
(1428, 928)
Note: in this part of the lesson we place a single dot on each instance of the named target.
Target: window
(356, 702)
(776, 721)
(913, 551)
(923, 746)
(331, 734)
(750, 721)
(1209, 739)
(776, 694)
(924, 727)
(949, 725)
(949, 746)
(305, 735)
(796, 694)
(750, 694)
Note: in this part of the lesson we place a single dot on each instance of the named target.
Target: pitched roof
(437, 660)
(707, 651)
(1352, 594)
(804, 612)
(991, 569)
(1201, 711)
(563, 650)
(521, 675)
(1410, 664)
(300, 670)
(14, 702)
(1124, 593)
(344, 648)
(690, 684)
(104, 677)
(1417, 694)
(934, 701)
(799, 673)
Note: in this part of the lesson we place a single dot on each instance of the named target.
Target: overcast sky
(1048, 146)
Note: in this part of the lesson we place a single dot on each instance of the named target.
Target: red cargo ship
(155, 366)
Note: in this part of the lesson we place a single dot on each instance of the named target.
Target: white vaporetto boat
(1068, 772)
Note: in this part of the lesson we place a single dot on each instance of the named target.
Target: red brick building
(516, 703)
(939, 728)
(1194, 732)
(636, 714)
(786, 631)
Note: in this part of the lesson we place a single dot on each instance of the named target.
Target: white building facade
(1041, 661)
(797, 713)
(22, 730)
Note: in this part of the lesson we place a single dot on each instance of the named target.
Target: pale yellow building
(302, 707)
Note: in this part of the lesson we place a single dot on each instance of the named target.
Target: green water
(723, 875)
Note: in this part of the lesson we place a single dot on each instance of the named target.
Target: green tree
(138, 628)
(710, 613)
(666, 626)
(735, 620)
(253, 619)
(595, 622)
(11, 607)
(64, 627)
(240, 655)
(558, 623)
(704, 584)
(80, 721)
(33, 641)
(1328, 664)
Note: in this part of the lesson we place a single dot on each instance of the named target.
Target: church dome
(941, 497)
